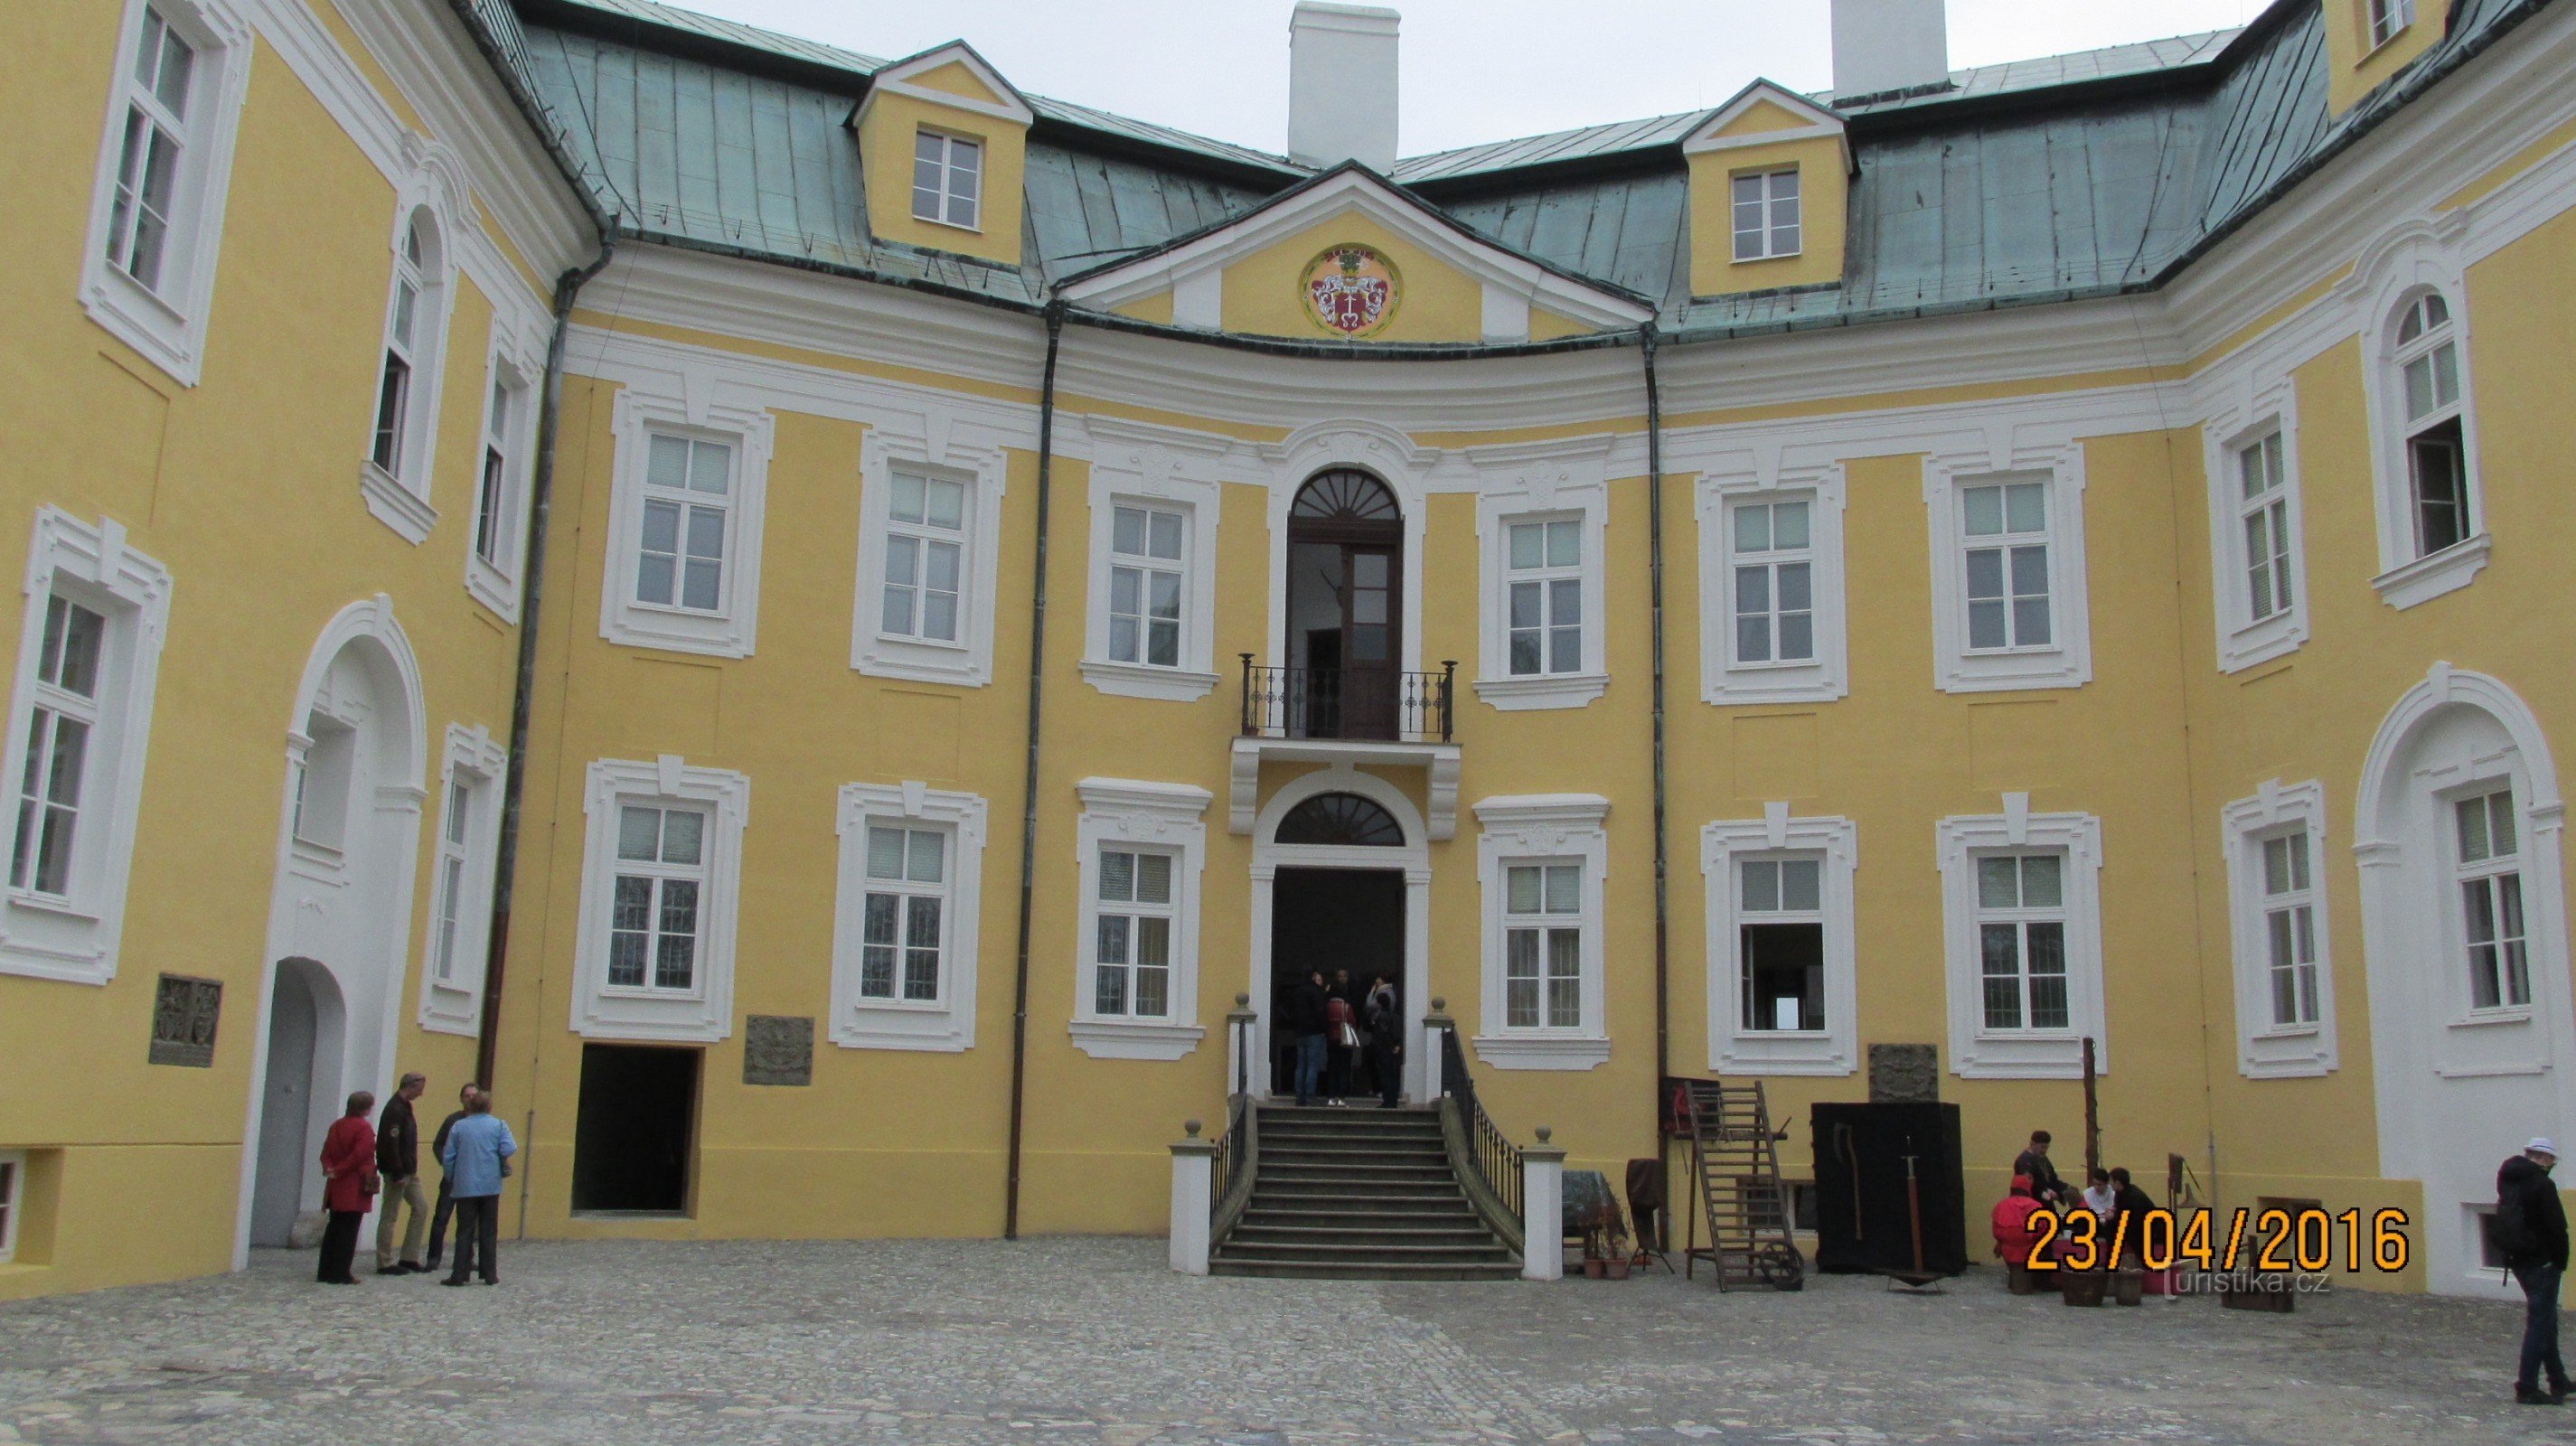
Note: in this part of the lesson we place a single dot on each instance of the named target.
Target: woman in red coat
(348, 1183)
(2012, 1223)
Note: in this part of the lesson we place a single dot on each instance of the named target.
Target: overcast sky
(1473, 70)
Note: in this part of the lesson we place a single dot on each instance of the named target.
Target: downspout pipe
(514, 776)
(1647, 342)
(1029, 805)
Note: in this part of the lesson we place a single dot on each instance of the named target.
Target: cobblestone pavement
(1093, 1343)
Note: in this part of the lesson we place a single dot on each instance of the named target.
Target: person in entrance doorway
(1386, 1044)
(473, 1156)
(348, 1187)
(398, 1162)
(1342, 1038)
(2045, 1186)
(1306, 1021)
(2531, 1226)
(446, 1195)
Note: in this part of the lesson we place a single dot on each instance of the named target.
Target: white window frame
(1140, 815)
(969, 660)
(2407, 578)
(2066, 660)
(74, 938)
(704, 1013)
(1734, 1045)
(2460, 872)
(1766, 234)
(494, 581)
(946, 197)
(399, 496)
(167, 324)
(1542, 829)
(474, 763)
(2244, 639)
(1197, 502)
(1542, 495)
(13, 1201)
(1977, 1052)
(2385, 20)
(1819, 679)
(732, 630)
(2265, 1050)
(945, 1024)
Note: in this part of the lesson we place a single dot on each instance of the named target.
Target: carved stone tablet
(778, 1049)
(1904, 1074)
(184, 1013)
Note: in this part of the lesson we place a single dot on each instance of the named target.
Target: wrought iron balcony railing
(1378, 705)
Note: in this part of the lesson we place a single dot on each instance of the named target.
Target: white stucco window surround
(2418, 377)
(2274, 844)
(1542, 522)
(1801, 882)
(165, 160)
(458, 937)
(1142, 848)
(905, 926)
(2009, 882)
(1150, 602)
(504, 464)
(2257, 529)
(685, 519)
(928, 568)
(1771, 584)
(398, 455)
(89, 651)
(2009, 607)
(1384, 453)
(692, 1002)
(1532, 1017)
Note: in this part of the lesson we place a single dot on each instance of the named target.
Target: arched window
(1341, 819)
(1346, 495)
(415, 316)
(2427, 360)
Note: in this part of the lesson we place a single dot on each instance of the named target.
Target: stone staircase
(1358, 1194)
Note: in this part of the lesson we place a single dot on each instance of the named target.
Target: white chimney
(1884, 45)
(1341, 85)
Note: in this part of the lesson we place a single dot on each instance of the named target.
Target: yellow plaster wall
(1434, 301)
(245, 486)
(1156, 308)
(1823, 191)
(2353, 67)
(888, 124)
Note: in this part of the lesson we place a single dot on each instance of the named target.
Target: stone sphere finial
(1242, 1000)
(1193, 1127)
(1544, 1133)
(1439, 1005)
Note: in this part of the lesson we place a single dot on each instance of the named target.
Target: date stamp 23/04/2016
(2272, 1241)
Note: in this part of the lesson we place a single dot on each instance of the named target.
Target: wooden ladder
(1735, 1157)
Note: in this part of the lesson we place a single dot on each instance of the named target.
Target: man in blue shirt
(474, 1158)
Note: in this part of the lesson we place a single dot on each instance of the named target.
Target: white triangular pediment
(1190, 267)
(903, 78)
(1814, 121)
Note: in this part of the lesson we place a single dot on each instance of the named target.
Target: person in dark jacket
(348, 1186)
(1386, 1044)
(2531, 1225)
(446, 1192)
(398, 1162)
(2130, 1207)
(1306, 1022)
(2045, 1185)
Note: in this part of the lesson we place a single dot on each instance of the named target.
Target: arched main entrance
(1341, 878)
(1345, 643)
(340, 914)
(2465, 938)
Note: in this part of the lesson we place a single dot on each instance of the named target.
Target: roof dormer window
(947, 178)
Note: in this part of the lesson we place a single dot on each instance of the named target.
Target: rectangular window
(148, 164)
(64, 717)
(1543, 592)
(2021, 939)
(492, 491)
(1132, 963)
(451, 881)
(925, 557)
(1543, 946)
(2387, 17)
(688, 504)
(654, 911)
(1782, 934)
(13, 1200)
(2490, 882)
(2006, 527)
(1145, 582)
(2428, 363)
(904, 926)
(2290, 931)
(1775, 568)
(1766, 215)
(947, 178)
(2264, 513)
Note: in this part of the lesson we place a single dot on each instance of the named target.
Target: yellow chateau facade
(815, 620)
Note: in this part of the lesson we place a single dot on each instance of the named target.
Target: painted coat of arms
(1350, 290)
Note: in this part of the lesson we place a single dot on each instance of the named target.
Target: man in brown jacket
(398, 1161)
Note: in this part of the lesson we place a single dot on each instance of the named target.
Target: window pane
(2276, 866)
(639, 833)
(2472, 813)
(72, 647)
(675, 963)
(1525, 649)
(1795, 595)
(1761, 886)
(1166, 539)
(1986, 573)
(1127, 531)
(2000, 947)
(1753, 639)
(945, 504)
(1797, 637)
(2040, 886)
(1789, 524)
(1564, 889)
(1565, 650)
(1521, 889)
(2477, 907)
(2026, 507)
(927, 856)
(701, 584)
(2030, 572)
(2298, 852)
(1998, 883)
(2500, 823)
(1752, 529)
(877, 923)
(1984, 507)
(666, 461)
(1529, 545)
(1752, 590)
(1153, 943)
(1153, 878)
(2030, 622)
(1117, 876)
(1163, 648)
(681, 832)
(1526, 604)
(1109, 991)
(1113, 939)
(1565, 601)
(885, 853)
(1801, 884)
(921, 924)
(1153, 991)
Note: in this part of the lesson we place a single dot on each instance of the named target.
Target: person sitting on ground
(2013, 1234)
(2045, 1185)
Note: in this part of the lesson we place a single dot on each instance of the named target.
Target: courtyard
(1093, 1341)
